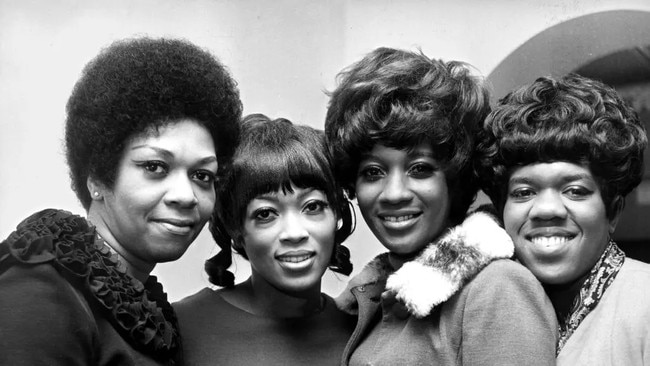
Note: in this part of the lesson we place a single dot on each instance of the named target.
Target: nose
(180, 191)
(396, 189)
(294, 230)
(548, 206)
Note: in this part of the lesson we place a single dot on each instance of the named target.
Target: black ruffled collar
(140, 313)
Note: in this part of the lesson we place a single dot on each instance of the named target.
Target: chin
(300, 286)
(405, 249)
(169, 255)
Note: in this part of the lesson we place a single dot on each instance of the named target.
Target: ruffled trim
(140, 313)
(442, 268)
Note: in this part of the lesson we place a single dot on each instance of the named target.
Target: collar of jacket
(437, 273)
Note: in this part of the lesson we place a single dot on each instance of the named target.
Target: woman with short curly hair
(402, 129)
(558, 157)
(149, 124)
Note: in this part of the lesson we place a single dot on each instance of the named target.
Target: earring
(96, 194)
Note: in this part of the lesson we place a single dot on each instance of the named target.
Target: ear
(95, 188)
(617, 207)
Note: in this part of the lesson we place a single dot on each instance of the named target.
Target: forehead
(383, 151)
(183, 135)
(550, 172)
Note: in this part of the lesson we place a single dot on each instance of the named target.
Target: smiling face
(163, 194)
(403, 197)
(556, 216)
(289, 238)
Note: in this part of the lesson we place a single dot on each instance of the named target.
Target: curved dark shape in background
(565, 47)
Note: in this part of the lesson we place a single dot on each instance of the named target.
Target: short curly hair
(135, 86)
(573, 119)
(402, 99)
(274, 155)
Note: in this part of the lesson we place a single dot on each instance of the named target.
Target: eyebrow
(168, 154)
(409, 153)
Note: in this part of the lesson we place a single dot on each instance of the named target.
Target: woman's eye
(155, 167)
(521, 193)
(204, 176)
(422, 170)
(371, 173)
(577, 192)
(264, 215)
(316, 206)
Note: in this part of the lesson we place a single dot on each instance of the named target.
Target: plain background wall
(283, 53)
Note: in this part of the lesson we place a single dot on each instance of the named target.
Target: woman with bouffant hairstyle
(149, 124)
(558, 157)
(402, 128)
(280, 208)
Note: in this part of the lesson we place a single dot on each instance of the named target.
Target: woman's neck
(397, 260)
(563, 296)
(257, 296)
(135, 267)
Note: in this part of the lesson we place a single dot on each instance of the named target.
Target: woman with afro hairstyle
(280, 208)
(558, 158)
(149, 124)
(402, 127)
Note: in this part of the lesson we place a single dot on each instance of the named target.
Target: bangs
(278, 168)
(403, 124)
(548, 142)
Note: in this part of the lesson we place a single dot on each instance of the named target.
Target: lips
(176, 226)
(398, 220)
(295, 257)
(550, 241)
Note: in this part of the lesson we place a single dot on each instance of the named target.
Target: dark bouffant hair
(273, 156)
(572, 119)
(401, 99)
(136, 86)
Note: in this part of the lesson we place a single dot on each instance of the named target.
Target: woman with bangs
(402, 129)
(279, 207)
(558, 158)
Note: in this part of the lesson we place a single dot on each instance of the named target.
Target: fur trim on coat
(440, 270)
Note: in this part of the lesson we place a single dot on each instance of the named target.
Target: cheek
(207, 200)
(513, 216)
(325, 233)
(257, 247)
(367, 193)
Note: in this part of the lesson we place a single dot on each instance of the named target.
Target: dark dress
(217, 333)
(66, 300)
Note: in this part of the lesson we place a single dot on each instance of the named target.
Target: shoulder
(631, 283)
(205, 298)
(41, 287)
(505, 269)
(635, 275)
(636, 267)
(40, 310)
(373, 275)
(505, 278)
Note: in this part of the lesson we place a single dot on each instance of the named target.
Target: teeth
(398, 218)
(548, 241)
(295, 259)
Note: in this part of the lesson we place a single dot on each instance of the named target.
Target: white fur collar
(441, 269)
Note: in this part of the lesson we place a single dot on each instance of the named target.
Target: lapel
(368, 300)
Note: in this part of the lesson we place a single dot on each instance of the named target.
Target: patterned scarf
(592, 290)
